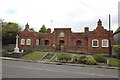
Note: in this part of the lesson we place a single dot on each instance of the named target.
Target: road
(19, 69)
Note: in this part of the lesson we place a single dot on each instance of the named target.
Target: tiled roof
(117, 31)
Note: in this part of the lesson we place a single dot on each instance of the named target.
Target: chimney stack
(86, 29)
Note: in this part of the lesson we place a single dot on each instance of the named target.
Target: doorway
(61, 45)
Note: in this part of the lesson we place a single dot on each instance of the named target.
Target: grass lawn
(114, 62)
(54, 58)
(35, 56)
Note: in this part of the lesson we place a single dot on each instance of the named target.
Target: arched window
(78, 43)
(46, 42)
(104, 43)
(61, 34)
(22, 41)
(28, 42)
(95, 43)
(37, 42)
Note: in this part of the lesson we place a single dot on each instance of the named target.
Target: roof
(62, 28)
(117, 31)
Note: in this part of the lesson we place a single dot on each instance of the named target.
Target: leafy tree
(43, 29)
(116, 49)
(9, 31)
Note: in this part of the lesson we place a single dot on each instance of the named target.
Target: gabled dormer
(100, 29)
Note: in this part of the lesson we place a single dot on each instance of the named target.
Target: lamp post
(110, 48)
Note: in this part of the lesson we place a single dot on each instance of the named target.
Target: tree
(9, 31)
(43, 29)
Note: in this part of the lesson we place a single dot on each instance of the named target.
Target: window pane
(104, 43)
(28, 41)
(95, 43)
(22, 41)
(37, 42)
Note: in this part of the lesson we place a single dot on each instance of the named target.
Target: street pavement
(19, 69)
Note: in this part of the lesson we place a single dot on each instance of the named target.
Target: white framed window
(28, 42)
(22, 41)
(95, 43)
(61, 34)
(104, 43)
(37, 41)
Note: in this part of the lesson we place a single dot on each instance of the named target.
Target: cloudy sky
(75, 14)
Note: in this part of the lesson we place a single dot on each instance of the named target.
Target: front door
(61, 45)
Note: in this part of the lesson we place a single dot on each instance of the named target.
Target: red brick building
(63, 39)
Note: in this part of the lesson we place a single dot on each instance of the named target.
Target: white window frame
(28, 42)
(37, 41)
(106, 44)
(62, 34)
(22, 41)
(93, 43)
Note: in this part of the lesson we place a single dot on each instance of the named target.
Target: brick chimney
(86, 29)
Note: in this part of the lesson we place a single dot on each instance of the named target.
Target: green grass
(54, 58)
(35, 56)
(114, 62)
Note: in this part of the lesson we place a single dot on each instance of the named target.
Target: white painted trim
(22, 41)
(107, 43)
(27, 42)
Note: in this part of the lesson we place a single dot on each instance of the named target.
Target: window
(104, 43)
(37, 41)
(28, 42)
(61, 34)
(22, 41)
(46, 42)
(95, 43)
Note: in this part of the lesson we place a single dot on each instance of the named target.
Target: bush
(99, 58)
(74, 58)
(64, 57)
(89, 60)
(116, 49)
(80, 59)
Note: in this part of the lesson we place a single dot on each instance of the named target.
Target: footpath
(57, 63)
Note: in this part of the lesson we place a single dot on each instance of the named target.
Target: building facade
(63, 39)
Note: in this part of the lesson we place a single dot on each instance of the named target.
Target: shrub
(80, 59)
(116, 49)
(64, 57)
(99, 58)
(74, 58)
(89, 60)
